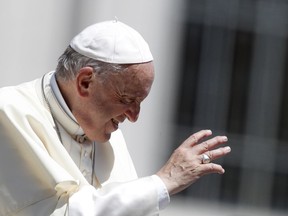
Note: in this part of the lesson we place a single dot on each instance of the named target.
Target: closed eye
(127, 101)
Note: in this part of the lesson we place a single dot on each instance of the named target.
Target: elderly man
(61, 150)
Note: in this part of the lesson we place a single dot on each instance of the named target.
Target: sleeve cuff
(163, 195)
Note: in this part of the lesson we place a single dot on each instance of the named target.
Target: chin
(102, 139)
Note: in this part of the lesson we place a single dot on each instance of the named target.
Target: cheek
(112, 109)
(103, 114)
(105, 110)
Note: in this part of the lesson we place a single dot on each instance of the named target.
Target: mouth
(115, 123)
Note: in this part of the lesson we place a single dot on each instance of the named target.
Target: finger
(212, 168)
(210, 144)
(196, 137)
(218, 153)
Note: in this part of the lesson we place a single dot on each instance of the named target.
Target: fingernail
(227, 149)
(209, 131)
(222, 172)
(225, 139)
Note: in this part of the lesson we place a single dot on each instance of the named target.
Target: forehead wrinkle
(135, 81)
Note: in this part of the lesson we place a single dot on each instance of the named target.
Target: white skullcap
(112, 42)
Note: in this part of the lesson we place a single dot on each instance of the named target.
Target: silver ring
(205, 159)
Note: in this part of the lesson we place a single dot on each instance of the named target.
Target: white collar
(59, 107)
(59, 97)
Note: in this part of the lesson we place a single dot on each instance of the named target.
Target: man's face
(114, 99)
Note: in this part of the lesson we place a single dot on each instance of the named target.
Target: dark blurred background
(234, 76)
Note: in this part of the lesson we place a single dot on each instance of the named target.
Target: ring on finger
(205, 159)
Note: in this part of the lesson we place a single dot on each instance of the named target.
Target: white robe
(37, 175)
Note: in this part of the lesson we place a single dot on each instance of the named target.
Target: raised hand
(191, 160)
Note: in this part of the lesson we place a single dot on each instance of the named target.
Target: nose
(132, 112)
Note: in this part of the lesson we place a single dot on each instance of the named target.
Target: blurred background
(220, 64)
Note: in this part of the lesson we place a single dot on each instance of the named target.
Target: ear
(84, 81)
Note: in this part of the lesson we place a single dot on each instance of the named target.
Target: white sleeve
(139, 197)
(163, 194)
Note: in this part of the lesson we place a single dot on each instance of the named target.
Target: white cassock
(49, 167)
